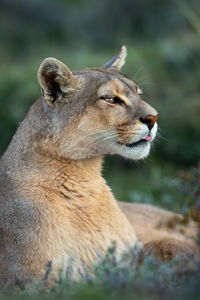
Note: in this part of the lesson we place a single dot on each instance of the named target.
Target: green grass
(145, 182)
(117, 279)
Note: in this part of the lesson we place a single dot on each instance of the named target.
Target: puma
(54, 204)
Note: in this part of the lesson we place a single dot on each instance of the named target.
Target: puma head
(96, 111)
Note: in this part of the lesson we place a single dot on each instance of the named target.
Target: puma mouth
(142, 142)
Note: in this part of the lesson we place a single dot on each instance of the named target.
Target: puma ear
(118, 60)
(55, 80)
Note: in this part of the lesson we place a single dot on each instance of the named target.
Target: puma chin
(139, 148)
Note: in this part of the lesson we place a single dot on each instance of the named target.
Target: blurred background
(163, 41)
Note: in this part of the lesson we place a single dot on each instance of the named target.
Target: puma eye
(112, 100)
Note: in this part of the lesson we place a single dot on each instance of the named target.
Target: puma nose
(149, 120)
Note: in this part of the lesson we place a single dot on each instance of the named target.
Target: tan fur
(54, 204)
(162, 230)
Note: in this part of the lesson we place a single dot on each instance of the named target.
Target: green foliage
(118, 278)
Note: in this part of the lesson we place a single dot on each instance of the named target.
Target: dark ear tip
(52, 65)
(51, 62)
(48, 62)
